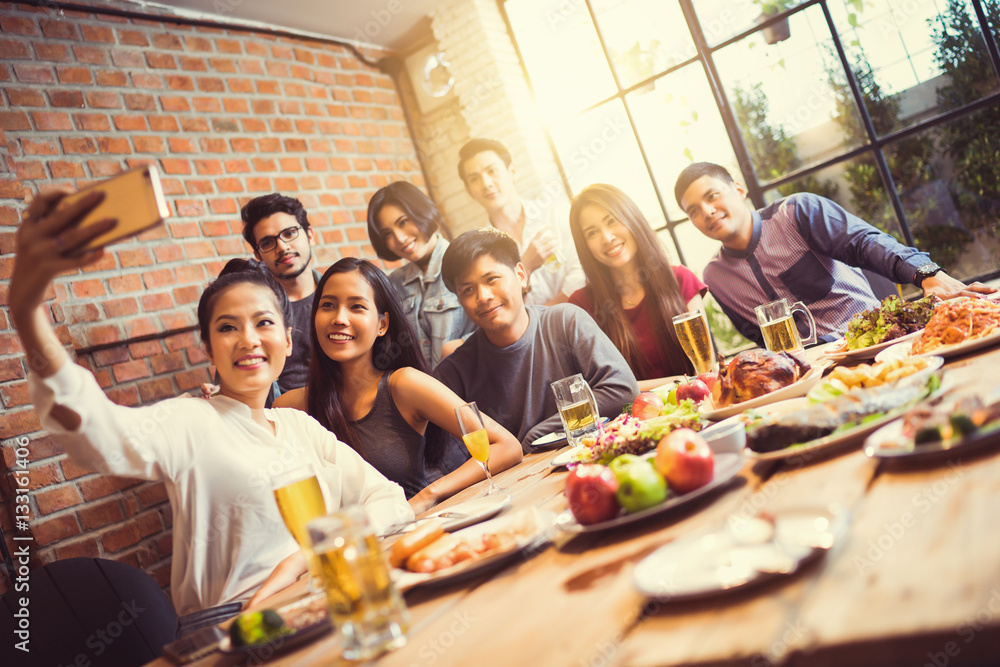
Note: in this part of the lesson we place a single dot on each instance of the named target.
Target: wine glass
(476, 439)
(300, 500)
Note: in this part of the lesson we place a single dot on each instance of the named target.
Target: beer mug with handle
(778, 326)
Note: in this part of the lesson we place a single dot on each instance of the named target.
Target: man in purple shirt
(802, 248)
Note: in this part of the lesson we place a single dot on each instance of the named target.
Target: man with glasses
(277, 229)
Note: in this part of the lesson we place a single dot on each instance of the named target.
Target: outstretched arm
(420, 398)
(49, 242)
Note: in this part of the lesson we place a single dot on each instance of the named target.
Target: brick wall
(227, 115)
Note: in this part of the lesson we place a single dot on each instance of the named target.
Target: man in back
(277, 229)
(509, 363)
(803, 248)
(541, 231)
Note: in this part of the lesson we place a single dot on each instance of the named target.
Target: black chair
(108, 612)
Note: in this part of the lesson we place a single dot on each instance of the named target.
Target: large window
(889, 107)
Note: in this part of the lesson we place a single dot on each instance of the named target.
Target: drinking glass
(476, 439)
(554, 262)
(577, 408)
(778, 326)
(692, 333)
(300, 499)
(364, 603)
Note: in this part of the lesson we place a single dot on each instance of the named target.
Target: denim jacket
(431, 308)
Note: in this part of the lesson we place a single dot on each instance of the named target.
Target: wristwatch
(925, 271)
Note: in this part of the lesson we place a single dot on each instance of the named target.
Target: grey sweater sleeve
(598, 360)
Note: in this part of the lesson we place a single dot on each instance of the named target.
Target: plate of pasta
(957, 327)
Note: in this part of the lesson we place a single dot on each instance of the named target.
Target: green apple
(620, 463)
(640, 486)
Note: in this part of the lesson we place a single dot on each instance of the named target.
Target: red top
(639, 318)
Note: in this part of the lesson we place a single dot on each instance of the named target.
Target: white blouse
(217, 464)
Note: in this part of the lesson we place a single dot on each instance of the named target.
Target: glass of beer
(778, 326)
(364, 603)
(476, 439)
(300, 500)
(577, 408)
(692, 332)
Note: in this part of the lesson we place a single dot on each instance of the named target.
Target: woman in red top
(632, 291)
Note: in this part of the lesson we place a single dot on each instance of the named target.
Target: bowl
(729, 436)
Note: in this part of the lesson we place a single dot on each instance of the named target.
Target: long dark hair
(417, 206)
(398, 348)
(662, 291)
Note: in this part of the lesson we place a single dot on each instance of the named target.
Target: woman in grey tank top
(368, 384)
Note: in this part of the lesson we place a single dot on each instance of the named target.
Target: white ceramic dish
(902, 350)
(461, 515)
(557, 439)
(889, 442)
(738, 554)
(726, 467)
(537, 529)
(798, 388)
(869, 352)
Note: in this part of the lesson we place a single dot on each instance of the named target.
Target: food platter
(798, 388)
(840, 353)
(552, 440)
(826, 444)
(727, 466)
(535, 528)
(889, 442)
(901, 350)
(742, 552)
(460, 515)
(307, 617)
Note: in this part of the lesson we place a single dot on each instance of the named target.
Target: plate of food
(633, 488)
(743, 551)
(875, 329)
(845, 378)
(961, 420)
(271, 630)
(430, 556)
(758, 377)
(803, 429)
(958, 326)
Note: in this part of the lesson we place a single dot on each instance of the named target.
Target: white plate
(726, 467)
(798, 388)
(460, 515)
(829, 442)
(565, 458)
(889, 443)
(903, 349)
(933, 363)
(866, 352)
(726, 558)
(537, 529)
(556, 439)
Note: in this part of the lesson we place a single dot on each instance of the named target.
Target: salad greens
(627, 435)
(892, 319)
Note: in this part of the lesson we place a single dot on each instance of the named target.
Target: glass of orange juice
(476, 439)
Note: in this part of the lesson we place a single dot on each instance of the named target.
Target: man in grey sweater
(509, 363)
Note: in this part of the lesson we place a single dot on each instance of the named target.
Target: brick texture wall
(227, 115)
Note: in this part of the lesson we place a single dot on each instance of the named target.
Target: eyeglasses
(269, 243)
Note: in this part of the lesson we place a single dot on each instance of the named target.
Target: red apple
(590, 489)
(685, 460)
(696, 390)
(709, 378)
(646, 406)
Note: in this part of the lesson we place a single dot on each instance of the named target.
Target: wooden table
(915, 581)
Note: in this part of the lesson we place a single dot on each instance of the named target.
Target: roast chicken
(754, 373)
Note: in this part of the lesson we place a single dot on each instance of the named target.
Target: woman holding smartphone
(368, 384)
(215, 457)
(632, 290)
(403, 223)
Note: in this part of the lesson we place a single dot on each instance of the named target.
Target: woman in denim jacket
(403, 224)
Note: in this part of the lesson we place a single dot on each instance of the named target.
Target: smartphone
(135, 198)
(196, 645)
